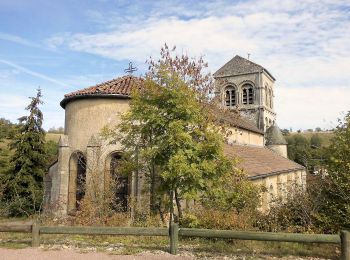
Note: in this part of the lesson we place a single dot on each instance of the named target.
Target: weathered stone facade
(233, 82)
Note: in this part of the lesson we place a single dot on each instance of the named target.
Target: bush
(209, 218)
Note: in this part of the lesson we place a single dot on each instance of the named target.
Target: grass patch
(209, 247)
(130, 245)
(52, 137)
(15, 240)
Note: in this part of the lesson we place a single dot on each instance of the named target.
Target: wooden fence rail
(174, 232)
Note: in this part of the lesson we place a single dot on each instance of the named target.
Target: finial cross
(131, 68)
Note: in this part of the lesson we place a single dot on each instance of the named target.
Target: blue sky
(66, 45)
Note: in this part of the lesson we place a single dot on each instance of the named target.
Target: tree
(335, 211)
(299, 149)
(285, 132)
(177, 146)
(24, 179)
(316, 141)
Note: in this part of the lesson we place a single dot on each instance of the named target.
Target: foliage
(233, 192)
(51, 148)
(307, 152)
(325, 206)
(316, 141)
(191, 72)
(24, 179)
(165, 123)
(285, 131)
(213, 218)
(335, 211)
(297, 212)
(7, 129)
(58, 130)
(299, 149)
(175, 142)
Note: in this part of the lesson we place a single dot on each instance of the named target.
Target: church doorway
(77, 181)
(120, 184)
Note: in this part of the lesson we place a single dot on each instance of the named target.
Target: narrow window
(227, 98)
(245, 96)
(120, 183)
(250, 96)
(230, 97)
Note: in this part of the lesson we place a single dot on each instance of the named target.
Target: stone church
(253, 137)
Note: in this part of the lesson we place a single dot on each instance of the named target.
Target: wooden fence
(174, 232)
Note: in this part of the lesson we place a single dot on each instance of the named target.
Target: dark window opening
(230, 97)
(245, 96)
(120, 184)
(248, 95)
(77, 182)
(81, 180)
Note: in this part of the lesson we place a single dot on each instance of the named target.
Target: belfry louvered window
(230, 97)
(248, 94)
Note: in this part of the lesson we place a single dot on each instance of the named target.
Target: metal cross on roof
(131, 68)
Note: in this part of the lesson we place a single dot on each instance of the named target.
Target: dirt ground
(70, 254)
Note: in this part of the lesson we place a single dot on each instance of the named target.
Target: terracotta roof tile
(260, 161)
(236, 120)
(121, 86)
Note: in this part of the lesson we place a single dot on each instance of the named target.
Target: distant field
(53, 137)
(325, 136)
(49, 137)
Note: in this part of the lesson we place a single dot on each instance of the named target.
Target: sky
(65, 45)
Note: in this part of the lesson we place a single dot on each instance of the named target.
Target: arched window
(76, 182)
(230, 96)
(248, 94)
(270, 98)
(119, 183)
(266, 97)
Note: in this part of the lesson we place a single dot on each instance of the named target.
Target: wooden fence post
(35, 235)
(174, 238)
(345, 244)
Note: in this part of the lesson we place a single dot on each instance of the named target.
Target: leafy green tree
(24, 180)
(316, 141)
(299, 149)
(335, 211)
(176, 142)
(285, 132)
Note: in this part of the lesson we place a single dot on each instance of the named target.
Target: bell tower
(249, 88)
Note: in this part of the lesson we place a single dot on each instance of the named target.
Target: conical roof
(119, 88)
(274, 136)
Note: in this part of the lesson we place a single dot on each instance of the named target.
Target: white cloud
(12, 101)
(305, 45)
(33, 73)
(311, 107)
(17, 39)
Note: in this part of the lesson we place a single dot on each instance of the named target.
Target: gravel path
(70, 254)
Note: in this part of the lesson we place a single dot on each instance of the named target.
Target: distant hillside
(53, 137)
(325, 136)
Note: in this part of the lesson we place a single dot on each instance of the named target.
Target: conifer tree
(24, 179)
